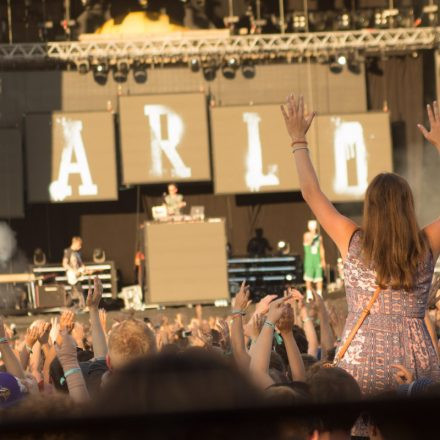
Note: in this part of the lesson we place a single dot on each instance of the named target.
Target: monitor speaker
(50, 295)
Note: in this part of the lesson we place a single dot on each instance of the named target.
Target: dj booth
(186, 261)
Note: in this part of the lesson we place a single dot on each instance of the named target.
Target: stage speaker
(50, 295)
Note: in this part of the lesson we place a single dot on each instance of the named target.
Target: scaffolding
(171, 49)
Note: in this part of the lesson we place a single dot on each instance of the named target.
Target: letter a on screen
(157, 114)
(72, 145)
(255, 178)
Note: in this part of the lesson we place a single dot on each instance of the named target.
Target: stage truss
(171, 49)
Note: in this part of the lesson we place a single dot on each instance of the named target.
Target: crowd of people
(284, 351)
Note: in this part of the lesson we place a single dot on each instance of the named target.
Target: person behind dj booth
(173, 200)
(258, 245)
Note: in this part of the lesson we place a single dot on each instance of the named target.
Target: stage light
(210, 70)
(229, 67)
(98, 255)
(248, 68)
(334, 65)
(289, 277)
(342, 60)
(120, 71)
(83, 67)
(343, 22)
(283, 247)
(100, 72)
(140, 72)
(39, 258)
(354, 64)
(299, 22)
(373, 67)
(194, 65)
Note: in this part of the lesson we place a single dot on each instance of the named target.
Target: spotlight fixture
(248, 68)
(98, 255)
(342, 60)
(194, 65)
(83, 67)
(100, 72)
(140, 72)
(343, 22)
(229, 67)
(120, 71)
(354, 64)
(299, 22)
(39, 257)
(335, 66)
(283, 247)
(210, 70)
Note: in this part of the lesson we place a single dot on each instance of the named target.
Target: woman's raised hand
(297, 122)
(433, 135)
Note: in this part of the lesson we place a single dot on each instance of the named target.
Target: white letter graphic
(73, 143)
(255, 178)
(348, 145)
(169, 145)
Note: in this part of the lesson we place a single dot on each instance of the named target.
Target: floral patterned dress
(393, 333)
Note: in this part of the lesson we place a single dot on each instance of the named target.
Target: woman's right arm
(338, 227)
(433, 136)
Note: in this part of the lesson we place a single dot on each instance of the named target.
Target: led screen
(71, 157)
(251, 150)
(352, 150)
(164, 138)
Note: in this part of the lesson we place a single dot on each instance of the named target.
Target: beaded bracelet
(68, 373)
(270, 324)
(4, 340)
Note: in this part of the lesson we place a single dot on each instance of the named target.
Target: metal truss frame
(171, 48)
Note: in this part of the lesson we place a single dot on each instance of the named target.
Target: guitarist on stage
(75, 269)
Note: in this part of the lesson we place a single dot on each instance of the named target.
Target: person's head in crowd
(312, 226)
(192, 380)
(10, 390)
(300, 339)
(389, 218)
(172, 189)
(277, 368)
(308, 360)
(330, 385)
(76, 244)
(129, 340)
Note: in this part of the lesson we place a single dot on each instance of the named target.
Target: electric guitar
(73, 276)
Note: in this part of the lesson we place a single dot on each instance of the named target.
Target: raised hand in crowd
(285, 326)
(253, 327)
(99, 340)
(44, 329)
(67, 354)
(12, 364)
(260, 357)
(433, 135)
(237, 337)
(296, 120)
(263, 305)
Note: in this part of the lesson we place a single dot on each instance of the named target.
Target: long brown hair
(392, 244)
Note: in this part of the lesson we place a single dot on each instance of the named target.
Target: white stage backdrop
(164, 138)
(71, 157)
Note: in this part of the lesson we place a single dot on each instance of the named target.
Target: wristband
(4, 340)
(307, 319)
(29, 349)
(299, 141)
(299, 148)
(270, 324)
(238, 312)
(278, 338)
(68, 373)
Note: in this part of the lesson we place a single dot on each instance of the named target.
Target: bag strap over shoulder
(357, 326)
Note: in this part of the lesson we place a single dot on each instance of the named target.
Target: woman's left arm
(338, 227)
